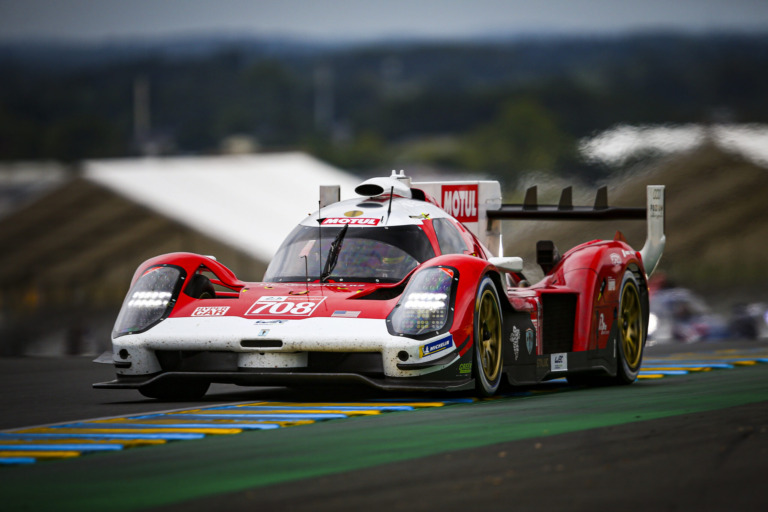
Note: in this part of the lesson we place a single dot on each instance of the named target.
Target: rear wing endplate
(656, 239)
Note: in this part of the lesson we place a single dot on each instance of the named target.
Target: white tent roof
(250, 202)
(619, 144)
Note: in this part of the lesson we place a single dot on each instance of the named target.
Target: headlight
(150, 300)
(426, 307)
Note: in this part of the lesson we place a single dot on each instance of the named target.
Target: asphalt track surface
(697, 441)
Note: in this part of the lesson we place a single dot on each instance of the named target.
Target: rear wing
(477, 204)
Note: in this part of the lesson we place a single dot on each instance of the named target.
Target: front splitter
(288, 379)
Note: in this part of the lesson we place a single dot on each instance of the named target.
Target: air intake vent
(261, 343)
(383, 293)
(559, 312)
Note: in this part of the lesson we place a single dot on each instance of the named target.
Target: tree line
(501, 107)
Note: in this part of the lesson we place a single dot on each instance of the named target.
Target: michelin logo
(436, 346)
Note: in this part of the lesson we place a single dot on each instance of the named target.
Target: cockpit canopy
(383, 254)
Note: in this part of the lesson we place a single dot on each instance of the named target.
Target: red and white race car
(399, 290)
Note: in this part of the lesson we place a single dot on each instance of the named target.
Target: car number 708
(293, 306)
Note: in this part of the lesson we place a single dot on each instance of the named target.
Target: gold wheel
(490, 336)
(631, 317)
(488, 339)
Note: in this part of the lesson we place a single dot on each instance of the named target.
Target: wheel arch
(191, 262)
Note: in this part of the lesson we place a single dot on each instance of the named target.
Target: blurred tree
(524, 136)
(365, 151)
(19, 136)
(512, 105)
(80, 137)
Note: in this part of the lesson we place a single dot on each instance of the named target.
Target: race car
(398, 289)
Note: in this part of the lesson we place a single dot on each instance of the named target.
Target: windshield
(367, 254)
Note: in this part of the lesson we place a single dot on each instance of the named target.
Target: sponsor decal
(657, 210)
(436, 346)
(601, 325)
(559, 362)
(460, 201)
(615, 259)
(353, 213)
(269, 322)
(514, 337)
(529, 340)
(210, 311)
(345, 314)
(465, 368)
(340, 221)
(263, 332)
(542, 362)
(611, 284)
(282, 305)
(626, 253)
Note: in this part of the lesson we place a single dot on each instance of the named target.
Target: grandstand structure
(70, 247)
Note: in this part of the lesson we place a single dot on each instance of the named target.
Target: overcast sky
(327, 20)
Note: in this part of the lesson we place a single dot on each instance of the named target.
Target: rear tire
(632, 333)
(487, 339)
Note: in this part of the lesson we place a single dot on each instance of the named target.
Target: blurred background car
(749, 321)
(678, 315)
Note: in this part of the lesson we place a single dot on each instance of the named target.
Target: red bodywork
(567, 323)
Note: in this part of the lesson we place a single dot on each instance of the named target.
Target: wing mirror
(508, 264)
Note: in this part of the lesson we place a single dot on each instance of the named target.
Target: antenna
(389, 209)
(306, 271)
(319, 238)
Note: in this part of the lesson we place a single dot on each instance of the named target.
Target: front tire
(487, 339)
(632, 333)
(200, 287)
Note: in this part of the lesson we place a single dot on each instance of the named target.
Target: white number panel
(284, 306)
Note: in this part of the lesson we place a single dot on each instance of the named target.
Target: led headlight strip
(150, 300)
(426, 308)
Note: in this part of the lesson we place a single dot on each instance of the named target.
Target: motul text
(339, 221)
(460, 201)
